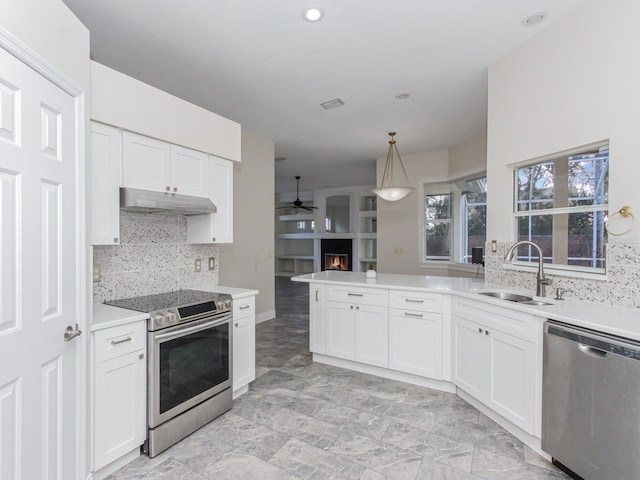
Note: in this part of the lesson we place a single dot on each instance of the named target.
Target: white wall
(249, 262)
(125, 102)
(575, 83)
(50, 29)
(399, 222)
(399, 248)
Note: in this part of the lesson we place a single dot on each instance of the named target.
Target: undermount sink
(515, 297)
(512, 297)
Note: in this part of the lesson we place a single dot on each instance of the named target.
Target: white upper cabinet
(216, 227)
(105, 170)
(152, 164)
(146, 163)
(189, 171)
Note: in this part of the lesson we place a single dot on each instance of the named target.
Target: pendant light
(390, 190)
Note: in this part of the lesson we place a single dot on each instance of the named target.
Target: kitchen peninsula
(442, 333)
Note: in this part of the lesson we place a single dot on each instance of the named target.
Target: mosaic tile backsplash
(620, 286)
(153, 257)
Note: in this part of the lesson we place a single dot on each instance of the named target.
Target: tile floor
(303, 420)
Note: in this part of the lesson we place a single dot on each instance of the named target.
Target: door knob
(70, 333)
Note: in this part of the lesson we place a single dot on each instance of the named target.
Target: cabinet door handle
(168, 188)
(409, 314)
(317, 296)
(236, 324)
(414, 300)
(123, 340)
(141, 356)
(480, 330)
(355, 294)
(115, 239)
(351, 307)
(486, 332)
(244, 307)
(175, 189)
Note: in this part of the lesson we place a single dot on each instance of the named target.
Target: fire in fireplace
(336, 261)
(336, 254)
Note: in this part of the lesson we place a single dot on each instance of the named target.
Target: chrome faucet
(541, 281)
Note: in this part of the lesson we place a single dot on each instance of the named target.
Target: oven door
(187, 364)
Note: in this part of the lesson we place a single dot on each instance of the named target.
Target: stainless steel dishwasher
(591, 402)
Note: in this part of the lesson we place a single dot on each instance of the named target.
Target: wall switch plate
(494, 246)
(198, 265)
(97, 275)
(212, 263)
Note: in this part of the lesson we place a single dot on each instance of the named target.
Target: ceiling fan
(297, 203)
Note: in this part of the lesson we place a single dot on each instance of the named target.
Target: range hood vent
(147, 201)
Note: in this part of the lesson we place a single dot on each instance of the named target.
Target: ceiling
(261, 64)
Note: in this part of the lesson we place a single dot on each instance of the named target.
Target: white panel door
(341, 330)
(470, 357)
(372, 335)
(146, 163)
(189, 171)
(317, 318)
(415, 342)
(39, 164)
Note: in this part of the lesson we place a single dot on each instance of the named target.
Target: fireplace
(335, 254)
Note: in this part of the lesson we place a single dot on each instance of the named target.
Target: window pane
(476, 228)
(535, 186)
(438, 206)
(586, 239)
(537, 229)
(438, 240)
(588, 179)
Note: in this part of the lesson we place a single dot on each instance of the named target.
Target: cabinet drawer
(244, 307)
(508, 321)
(360, 295)
(116, 341)
(423, 301)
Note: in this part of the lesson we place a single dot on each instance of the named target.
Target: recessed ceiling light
(533, 19)
(403, 96)
(336, 102)
(312, 13)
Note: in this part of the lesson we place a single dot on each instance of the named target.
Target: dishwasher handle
(592, 351)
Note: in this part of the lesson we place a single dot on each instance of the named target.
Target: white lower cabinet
(244, 342)
(120, 386)
(358, 332)
(496, 368)
(317, 319)
(415, 342)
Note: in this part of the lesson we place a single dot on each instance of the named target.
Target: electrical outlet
(97, 275)
(212, 263)
(198, 265)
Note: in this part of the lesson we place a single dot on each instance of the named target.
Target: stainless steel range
(189, 362)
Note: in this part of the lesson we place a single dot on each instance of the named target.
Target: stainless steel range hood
(147, 201)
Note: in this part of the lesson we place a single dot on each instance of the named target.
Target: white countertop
(107, 316)
(235, 292)
(621, 321)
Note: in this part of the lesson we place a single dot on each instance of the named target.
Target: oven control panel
(168, 317)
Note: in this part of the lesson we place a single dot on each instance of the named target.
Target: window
(561, 205)
(438, 226)
(474, 223)
(455, 219)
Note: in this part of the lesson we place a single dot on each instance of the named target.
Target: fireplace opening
(336, 254)
(336, 261)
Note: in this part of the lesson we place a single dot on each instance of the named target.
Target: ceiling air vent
(336, 102)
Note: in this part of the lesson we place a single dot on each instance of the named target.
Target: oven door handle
(186, 331)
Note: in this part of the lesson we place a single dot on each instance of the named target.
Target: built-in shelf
(298, 236)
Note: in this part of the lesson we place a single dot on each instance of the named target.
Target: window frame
(558, 268)
(454, 261)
